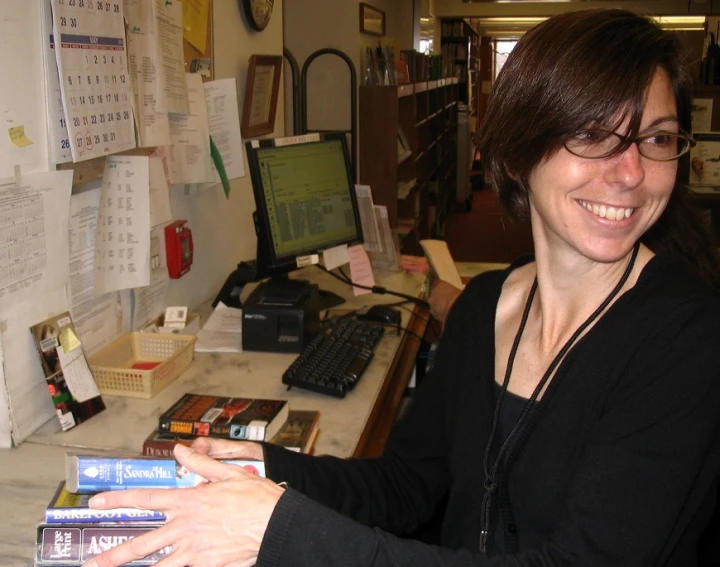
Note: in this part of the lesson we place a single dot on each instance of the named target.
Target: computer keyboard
(333, 362)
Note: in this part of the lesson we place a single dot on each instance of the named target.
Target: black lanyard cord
(491, 484)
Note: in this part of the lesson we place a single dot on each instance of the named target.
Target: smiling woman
(572, 416)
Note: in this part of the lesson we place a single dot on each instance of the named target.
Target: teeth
(610, 213)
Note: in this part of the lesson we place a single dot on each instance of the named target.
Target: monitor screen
(304, 195)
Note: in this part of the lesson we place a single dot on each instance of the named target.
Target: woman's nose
(626, 168)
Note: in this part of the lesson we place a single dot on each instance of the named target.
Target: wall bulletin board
(195, 61)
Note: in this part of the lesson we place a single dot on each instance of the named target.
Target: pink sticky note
(360, 269)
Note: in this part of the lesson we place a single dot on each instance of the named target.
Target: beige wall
(310, 25)
(222, 229)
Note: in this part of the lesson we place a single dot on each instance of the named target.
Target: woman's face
(601, 207)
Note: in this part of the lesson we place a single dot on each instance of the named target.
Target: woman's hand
(228, 449)
(216, 524)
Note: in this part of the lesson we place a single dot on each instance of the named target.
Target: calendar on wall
(92, 65)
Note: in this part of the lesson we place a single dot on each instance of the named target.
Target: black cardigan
(617, 464)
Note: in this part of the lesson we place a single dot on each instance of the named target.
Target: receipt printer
(280, 316)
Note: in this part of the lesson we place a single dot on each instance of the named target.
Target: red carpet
(485, 233)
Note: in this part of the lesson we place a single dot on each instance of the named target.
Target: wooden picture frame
(372, 20)
(261, 95)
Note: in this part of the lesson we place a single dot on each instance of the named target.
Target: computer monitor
(305, 199)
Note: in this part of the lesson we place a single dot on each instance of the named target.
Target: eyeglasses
(659, 146)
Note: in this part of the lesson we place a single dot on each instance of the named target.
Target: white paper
(152, 125)
(190, 135)
(171, 89)
(33, 235)
(149, 301)
(160, 209)
(371, 233)
(705, 159)
(222, 331)
(98, 319)
(336, 256)
(58, 137)
(31, 406)
(92, 64)
(77, 374)
(224, 123)
(122, 244)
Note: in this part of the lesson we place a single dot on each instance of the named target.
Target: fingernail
(97, 501)
(90, 563)
(182, 449)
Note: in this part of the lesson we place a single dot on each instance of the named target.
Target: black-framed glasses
(658, 146)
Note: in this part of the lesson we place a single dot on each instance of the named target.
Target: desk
(357, 425)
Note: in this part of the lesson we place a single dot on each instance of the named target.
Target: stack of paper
(222, 331)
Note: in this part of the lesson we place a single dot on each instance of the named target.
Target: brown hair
(579, 69)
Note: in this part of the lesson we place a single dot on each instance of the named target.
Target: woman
(574, 410)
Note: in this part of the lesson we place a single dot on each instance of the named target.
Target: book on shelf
(85, 474)
(251, 419)
(72, 544)
(298, 433)
(442, 266)
(66, 507)
(68, 377)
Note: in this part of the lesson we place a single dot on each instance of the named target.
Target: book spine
(85, 515)
(253, 431)
(163, 448)
(88, 473)
(72, 545)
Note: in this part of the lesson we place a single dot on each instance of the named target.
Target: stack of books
(72, 533)
(298, 433)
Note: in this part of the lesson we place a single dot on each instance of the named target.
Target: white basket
(112, 366)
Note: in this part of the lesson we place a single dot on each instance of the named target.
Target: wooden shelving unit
(418, 186)
(460, 45)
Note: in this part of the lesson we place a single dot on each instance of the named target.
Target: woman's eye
(660, 139)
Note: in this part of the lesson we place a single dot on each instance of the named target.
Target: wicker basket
(113, 369)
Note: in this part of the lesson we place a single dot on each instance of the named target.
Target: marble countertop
(30, 473)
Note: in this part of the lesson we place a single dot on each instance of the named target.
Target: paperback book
(86, 474)
(68, 377)
(298, 433)
(233, 418)
(442, 266)
(68, 508)
(73, 544)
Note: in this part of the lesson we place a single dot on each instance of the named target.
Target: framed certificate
(261, 95)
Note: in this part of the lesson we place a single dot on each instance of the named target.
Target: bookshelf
(416, 184)
(460, 45)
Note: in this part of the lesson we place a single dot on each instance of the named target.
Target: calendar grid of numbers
(92, 63)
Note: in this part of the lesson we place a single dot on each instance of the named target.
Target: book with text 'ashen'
(86, 474)
(70, 545)
(68, 508)
(232, 418)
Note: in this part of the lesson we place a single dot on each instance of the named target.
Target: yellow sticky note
(18, 137)
(68, 339)
(195, 23)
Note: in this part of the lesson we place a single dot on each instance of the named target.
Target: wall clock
(258, 12)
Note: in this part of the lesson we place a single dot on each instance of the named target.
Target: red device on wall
(179, 246)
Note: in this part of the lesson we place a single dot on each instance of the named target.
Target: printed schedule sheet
(92, 64)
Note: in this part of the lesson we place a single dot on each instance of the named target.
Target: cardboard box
(191, 327)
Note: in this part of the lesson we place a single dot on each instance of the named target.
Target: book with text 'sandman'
(217, 416)
(298, 434)
(68, 508)
(85, 474)
(71, 545)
